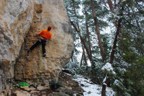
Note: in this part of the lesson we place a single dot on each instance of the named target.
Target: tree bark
(75, 13)
(115, 41)
(110, 5)
(102, 51)
(88, 35)
(82, 41)
(103, 93)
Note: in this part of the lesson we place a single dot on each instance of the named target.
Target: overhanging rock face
(20, 20)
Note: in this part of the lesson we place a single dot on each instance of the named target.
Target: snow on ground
(91, 89)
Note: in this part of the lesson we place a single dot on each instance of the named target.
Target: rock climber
(44, 36)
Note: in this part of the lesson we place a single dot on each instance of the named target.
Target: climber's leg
(34, 45)
(43, 47)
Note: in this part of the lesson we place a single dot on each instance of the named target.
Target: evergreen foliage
(128, 61)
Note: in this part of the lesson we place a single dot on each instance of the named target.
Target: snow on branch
(108, 67)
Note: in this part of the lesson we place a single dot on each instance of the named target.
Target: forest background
(109, 33)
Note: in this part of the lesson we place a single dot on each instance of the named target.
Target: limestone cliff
(20, 20)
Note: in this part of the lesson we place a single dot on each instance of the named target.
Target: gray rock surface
(20, 20)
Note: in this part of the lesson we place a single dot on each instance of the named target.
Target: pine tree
(126, 39)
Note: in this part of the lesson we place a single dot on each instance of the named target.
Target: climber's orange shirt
(45, 34)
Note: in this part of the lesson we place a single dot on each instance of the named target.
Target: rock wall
(15, 20)
(20, 20)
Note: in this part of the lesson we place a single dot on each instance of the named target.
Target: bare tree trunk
(103, 93)
(81, 62)
(106, 82)
(84, 54)
(118, 26)
(104, 85)
(83, 57)
(77, 24)
(82, 41)
(102, 51)
(115, 41)
(110, 5)
(88, 35)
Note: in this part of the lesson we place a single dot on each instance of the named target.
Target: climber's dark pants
(39, 42)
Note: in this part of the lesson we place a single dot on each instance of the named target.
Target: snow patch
(91, 89)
